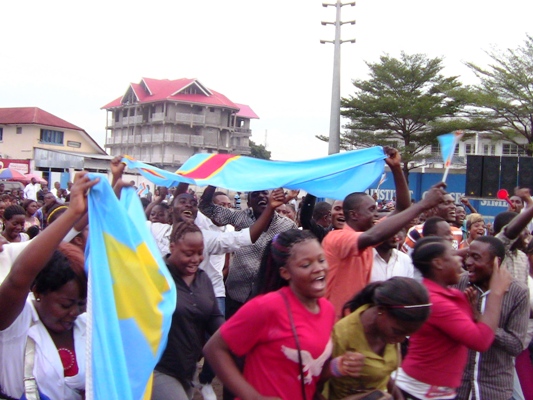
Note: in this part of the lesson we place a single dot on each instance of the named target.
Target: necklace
(66, 356)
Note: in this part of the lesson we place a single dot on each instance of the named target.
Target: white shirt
(30, 191)
(47, 369)
(399, 265)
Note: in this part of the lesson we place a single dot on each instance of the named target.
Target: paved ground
(217, 386)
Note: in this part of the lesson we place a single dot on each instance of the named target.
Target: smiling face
(476, 230)
(366, 214)
(185, 208)
(59, 309)
(479, 264)
(286, 211)
(451, 267)
(337, 215)
(258, 201)
(222, 200)
(14, 226)
(446, 209)
(460, 215)
(517, 203)
(306, 270)
(186, 254)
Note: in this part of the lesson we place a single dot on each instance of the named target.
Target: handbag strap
(30, 385)
(293, 327)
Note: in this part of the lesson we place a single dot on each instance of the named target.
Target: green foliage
(259, 151)
(504, 98)
(405, 103)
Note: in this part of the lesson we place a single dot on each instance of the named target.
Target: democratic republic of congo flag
(131, 297)
(448, 143)
(334, 176)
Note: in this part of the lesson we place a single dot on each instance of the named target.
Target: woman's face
(31, 209)
(15, 225)
(187, 254)
(477, 229)
(451, 266)
(392, 330)
(2, 209)
(59, 309)
(306, 270)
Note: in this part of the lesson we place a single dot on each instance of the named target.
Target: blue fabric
(334, 176)
(132, 294)
(448, 142)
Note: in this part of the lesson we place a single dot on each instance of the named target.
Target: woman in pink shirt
(437, 353)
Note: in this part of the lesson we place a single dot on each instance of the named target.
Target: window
(511, 149)
(50, 136)
(435, 148)
(1, 134)
(71, 143)
(19, 130)
(469, 148)
(489, 150)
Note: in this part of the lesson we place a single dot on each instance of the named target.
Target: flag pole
(445, 174)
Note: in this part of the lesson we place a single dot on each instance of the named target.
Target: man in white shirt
(389, 262)
(31, 189)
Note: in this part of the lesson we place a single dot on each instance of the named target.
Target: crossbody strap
(293, 327)
(30, 385)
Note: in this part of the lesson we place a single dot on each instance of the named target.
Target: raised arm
(519, 223)
(403, 196)
(380, 232)
(275, 199)
(15, 288)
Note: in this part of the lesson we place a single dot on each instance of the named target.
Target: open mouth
(187, 213)
(262, 203)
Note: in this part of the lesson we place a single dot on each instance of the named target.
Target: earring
(38, 299)
(380, 313)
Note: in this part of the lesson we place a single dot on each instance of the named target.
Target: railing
(190, 118)
(135, 119)
(243, 130)
(158, 117)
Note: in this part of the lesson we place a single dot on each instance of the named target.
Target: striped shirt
(245, 264)
(489, 375)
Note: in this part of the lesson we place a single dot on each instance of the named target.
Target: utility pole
(335, 115)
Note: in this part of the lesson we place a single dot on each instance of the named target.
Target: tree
(259, 151)
(503, 100)
(405, 103)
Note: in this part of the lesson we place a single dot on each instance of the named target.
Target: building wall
(21, 145)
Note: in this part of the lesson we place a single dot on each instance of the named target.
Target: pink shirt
(261, 331)
(438, 351)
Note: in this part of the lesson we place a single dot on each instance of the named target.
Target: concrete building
(164, 122)
(48, 143)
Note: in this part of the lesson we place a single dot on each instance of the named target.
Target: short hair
(496, 247)
(13, 210)
(180, 229)
(352, 202)
(397, 295)
(67, 264)
(322, 208)
(472, 219)
(426, 250)
(430, 226)
(502, 219)
(219, 193)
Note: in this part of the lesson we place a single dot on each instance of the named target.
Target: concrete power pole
(335, 116)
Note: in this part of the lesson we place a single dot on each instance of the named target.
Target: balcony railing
(190, 118)
(135, 119)
(158, 137)
(243, 130)
(158, 117)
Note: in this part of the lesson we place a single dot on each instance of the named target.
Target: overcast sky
(72, 57)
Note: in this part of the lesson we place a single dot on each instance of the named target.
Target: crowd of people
(288, 299)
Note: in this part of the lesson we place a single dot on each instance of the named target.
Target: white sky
(72, 57)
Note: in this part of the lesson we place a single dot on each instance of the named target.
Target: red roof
(153, 90)
(246, 112)
(34, 116)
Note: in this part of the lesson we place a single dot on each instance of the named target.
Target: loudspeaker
(525, 173)
(509, 173)
(491, 176)
(474, 175)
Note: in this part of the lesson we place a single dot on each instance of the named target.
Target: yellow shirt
(348, 334)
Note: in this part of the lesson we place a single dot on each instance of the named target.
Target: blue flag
(448, 142)
(132, 297)
(334, 176)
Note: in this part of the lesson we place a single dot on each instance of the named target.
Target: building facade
(164, 122)
(51, 145)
